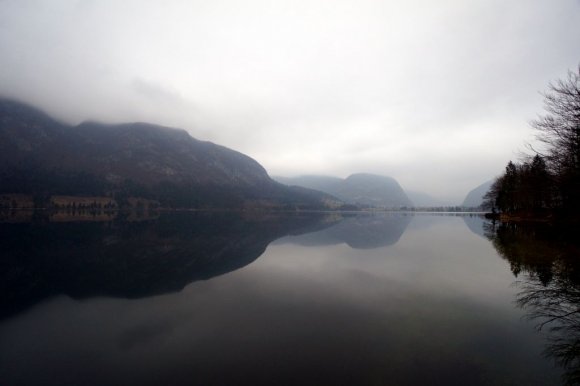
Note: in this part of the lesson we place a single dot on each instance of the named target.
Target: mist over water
(365, 299)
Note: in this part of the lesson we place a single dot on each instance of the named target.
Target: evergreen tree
(550, 180)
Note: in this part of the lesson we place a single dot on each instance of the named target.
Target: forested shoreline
(546, 186)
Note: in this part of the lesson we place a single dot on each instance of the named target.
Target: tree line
(548, 182)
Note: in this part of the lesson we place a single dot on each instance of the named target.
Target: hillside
(42, 157)
(358, 189)
(474, 198)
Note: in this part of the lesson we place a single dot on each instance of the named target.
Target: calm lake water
(230, 299)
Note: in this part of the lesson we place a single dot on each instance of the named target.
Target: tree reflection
(545, 261)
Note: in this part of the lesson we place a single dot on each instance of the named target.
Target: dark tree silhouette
(523, 187)
(550, 181)
(559, 130)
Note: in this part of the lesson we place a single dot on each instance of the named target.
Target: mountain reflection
(366, 231)
(133, 259)
(475, 223)
(546, 262)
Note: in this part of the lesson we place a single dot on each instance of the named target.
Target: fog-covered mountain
(43, 157)
(357, 189)
(474, 198)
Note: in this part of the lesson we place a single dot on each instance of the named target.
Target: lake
(274, 299)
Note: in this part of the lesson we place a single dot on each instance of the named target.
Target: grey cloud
(155, 91)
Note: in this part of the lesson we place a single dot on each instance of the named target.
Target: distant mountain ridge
(41, 156)
(358, 189)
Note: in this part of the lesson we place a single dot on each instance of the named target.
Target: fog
(438, 95)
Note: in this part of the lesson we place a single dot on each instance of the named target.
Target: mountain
(357, 189)
(42, 157)
(474, 198)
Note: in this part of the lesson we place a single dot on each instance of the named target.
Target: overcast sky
(437, 94)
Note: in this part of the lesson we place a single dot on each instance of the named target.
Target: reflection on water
(545, 260)
(475, 223)
(131, 258)
(366, 231)
(214, 299)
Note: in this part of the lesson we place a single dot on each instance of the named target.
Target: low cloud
(437, 95)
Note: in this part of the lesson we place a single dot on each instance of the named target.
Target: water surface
(228, 299)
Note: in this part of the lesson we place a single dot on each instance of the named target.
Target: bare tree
(559, 129)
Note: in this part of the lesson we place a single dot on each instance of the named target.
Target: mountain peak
(358, 189)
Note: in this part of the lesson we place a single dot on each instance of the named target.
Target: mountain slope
(357, 189)
(41, 156)
(474, 198)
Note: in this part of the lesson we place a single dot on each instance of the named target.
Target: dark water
(230, 299)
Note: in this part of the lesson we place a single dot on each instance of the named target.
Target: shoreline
(545, 218)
